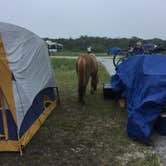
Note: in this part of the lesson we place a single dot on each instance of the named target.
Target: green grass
(72, 53)
(93, 135)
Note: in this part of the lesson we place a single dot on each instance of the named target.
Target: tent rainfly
(26, 86)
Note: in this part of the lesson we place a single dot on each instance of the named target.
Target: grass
(72, 53)
(93, 135)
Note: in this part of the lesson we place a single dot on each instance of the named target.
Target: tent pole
(58, 96)
(20, 148)
(5, 122)
(18, 137)
(5, 125)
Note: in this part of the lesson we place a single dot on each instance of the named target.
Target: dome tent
(26, 86)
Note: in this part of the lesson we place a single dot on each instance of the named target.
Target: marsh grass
(92, 135)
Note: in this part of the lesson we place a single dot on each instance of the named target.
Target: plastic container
(161, 124)
(108, 93)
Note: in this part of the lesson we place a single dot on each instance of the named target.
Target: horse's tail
(81, 71)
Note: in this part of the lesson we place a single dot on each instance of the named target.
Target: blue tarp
(114, 50)
(142, 79)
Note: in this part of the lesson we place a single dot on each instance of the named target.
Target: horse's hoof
(81, 102)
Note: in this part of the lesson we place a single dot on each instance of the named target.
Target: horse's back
(90, 61)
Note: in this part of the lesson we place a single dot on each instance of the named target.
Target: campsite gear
(113, 51)
(142, 79)
(151, 48)
(161, 124)
(126, 53)
(108, 93)
(139, 49)
(26, 86)
(119, 59)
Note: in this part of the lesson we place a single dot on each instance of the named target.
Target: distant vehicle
(54, 46)
(151, 48)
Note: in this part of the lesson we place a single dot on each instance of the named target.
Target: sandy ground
(159, 141)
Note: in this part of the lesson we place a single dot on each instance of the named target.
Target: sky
(73, 18)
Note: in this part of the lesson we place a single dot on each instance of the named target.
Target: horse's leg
(94, 82)
(81, 93)
(80, 73)
(92, 85)
(82, 90)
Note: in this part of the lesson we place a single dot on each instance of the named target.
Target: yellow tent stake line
(36, 125)
(9, 145)
(4, 119)
(14, 146)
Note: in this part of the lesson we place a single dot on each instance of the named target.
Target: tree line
(101, 44)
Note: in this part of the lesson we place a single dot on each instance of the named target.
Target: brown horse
(86, 66)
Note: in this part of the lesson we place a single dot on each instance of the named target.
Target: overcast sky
(73, 18)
